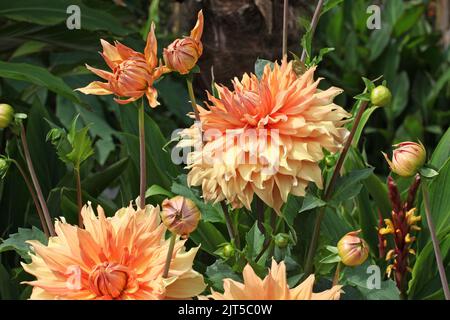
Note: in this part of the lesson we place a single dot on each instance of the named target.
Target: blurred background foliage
(41, 62)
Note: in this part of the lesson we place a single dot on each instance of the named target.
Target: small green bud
(330, 160)
(4, 166)
(282, 240)
(381, 96)
(6, 115)
(228, 250)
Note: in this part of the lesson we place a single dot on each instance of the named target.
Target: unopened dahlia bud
(352, 249)
(282, 240)
(228, 250)
(180, 215)
(6, 115)
(381, 96)
(182, 54)
(407, 158)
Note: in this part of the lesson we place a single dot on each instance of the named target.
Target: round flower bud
(228, 250)
(6, 115)
(352, 249)
(182, 54)
(180, 215)
(282, 240)
(407, 158)
(381, 96)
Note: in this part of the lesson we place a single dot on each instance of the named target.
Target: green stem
(142, 156)
(329, 191)
(35, 181)
(337, 274)
(285, 23)
(314, 22)
(192, 97)
(79, 195)
(169, 255)
(33, 196)
(230, 226)
(434, 239)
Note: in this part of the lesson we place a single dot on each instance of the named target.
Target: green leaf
(96, 182)
(332, 258)
(330, 4)
(379, 40)
(358, 277)
(218, 271)
(255, 242)
(156, 190)
(428, 172)
(440, 198)
(207, 236)
(442, 151)
(409, 19)
(54, 12)
(425, 282)
(311, 202)
(28, 47)
(364, 119)
(38, 76)
(17, 241)
(400, 94)
(81, 145)
(260, 64)
(349, 186)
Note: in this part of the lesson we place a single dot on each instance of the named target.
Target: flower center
(108, 280)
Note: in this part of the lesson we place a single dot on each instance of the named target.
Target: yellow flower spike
(389, 270)
(411, 251)
(409, 239)
(390, 255)
(415, 228)
(411, 218)
(389, 229)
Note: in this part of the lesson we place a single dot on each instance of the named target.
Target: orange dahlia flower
(133, 73)
(273, 287)
(182, 54)
(121, 257)
(266, 137)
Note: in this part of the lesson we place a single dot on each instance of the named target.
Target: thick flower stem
(35, 181)
(314, 22)
(437, 250)
(173, 237)
(79, 196)
(192, 97)
(33, 196)
(142, 156)
(285, 23)
(337, 274)
(329, 191)
(230, 226)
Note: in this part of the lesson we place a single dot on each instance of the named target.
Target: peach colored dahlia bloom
(293, 121)
(121, 257)
(273, 287)
(133, 73)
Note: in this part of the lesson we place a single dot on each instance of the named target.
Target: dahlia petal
(151, 48)
(101, 73)
(196, 32)
(97, 88)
